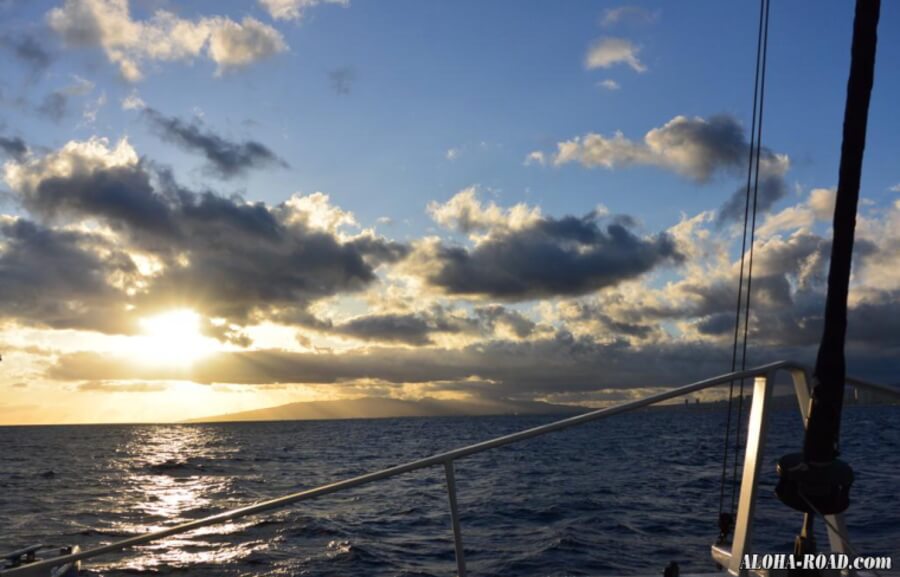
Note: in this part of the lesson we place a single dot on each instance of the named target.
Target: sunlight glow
(174, 338)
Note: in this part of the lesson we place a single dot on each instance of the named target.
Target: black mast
(823, 428)
(815, 481)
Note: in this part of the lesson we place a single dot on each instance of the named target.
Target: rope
(843, 536)
(761, 41)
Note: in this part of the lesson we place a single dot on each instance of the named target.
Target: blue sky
(494, 81)
(390, 108)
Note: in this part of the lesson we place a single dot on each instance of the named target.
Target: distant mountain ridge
(382, 408)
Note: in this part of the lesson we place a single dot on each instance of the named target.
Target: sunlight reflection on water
(574, 503)
(166, 485)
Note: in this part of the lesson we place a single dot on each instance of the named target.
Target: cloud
(465, 213)
(13, 147)
(70, 269)
(418, 328)
(609, 84)
(90, 179)
(234, 45)
(402, 328)
(342, 79)
(818, 207)
(225, 158)
(558, 363)
(54, 106)
(608, 52)
(895, 188)
(627, 335)
(696, 148)
(522, 255)
(114, 387)
(129, 43)
(133, 102)
(788, 290)
(294, 9)
(627, 14)
(535, 157)
(92, 109)
(28, 49)
(224, 257)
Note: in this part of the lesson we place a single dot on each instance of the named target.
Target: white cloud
(895, 188)
(130, 43)
(234, 45)
(818, 207)
(133, 102)
(79, 87)
(608, 52)
(535, 157)
(609, 84)
(92, 108)
(466, 213)
(73, 159)
(452, 153)
(316, 212)
(621, 14)
(293, 9)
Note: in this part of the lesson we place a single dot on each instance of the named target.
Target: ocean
(625, 495)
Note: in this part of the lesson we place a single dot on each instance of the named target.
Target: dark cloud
(221, 256)
(787, 298)
(560, 362)
(225, 158)
(28, 49)
(410, 329)
(54, 106)
(697, 148)
(627, 323)
(770, 190)
(59, 278)
(342, 79)
(13, 147)
(550, 257)
(124, 196)
(876, 323)
(417, 328)
(493, 317)
(704, 147)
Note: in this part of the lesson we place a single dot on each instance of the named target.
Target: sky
(215, 207)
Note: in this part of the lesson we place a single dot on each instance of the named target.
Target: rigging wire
(759, 125)
(754, 148)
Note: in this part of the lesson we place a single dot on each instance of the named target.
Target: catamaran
(813, 481)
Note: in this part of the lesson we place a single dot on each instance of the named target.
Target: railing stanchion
(757, 427)
(454, 519)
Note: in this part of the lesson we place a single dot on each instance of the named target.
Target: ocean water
(624, 495)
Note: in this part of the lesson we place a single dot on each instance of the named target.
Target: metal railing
(764, 383)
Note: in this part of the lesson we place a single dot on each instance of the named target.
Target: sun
(174, 338)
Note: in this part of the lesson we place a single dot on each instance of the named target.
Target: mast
(816, 481)
(823, 429)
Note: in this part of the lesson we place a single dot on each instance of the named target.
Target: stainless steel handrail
(445, 459)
